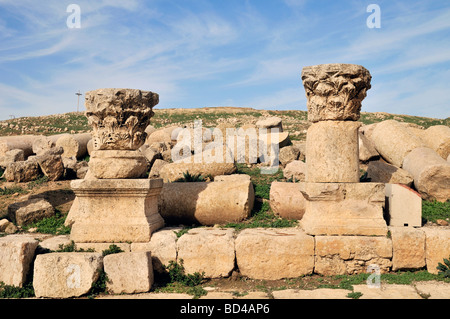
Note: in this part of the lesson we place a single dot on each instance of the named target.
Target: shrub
(444, 269)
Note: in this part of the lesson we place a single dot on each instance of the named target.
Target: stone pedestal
(344, 209)
(116, 210)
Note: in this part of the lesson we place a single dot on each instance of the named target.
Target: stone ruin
(345, 225)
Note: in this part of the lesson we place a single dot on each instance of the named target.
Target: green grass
(434, 210)
(12, 190)
(8, 291)
(52, 225)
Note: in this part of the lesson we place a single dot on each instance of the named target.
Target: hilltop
(294, 121)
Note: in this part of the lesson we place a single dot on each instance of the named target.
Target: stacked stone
(115, 203)
(336, 204)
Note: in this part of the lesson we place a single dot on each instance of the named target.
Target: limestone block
(286, 200)
(159, 135)
(21, 172)
(74, 145)
(29, 211)
(335, 91)
(438, 138)
(295, 170)
(7, 227)
(288, 154)
(11, 157)
(112, 164)
(209, 250)
(21, 142)
(156, 168)
(332, 152)
(340, 255)
(206, 203)
(231, 178)
(408, 246)
(56, 242)
(162, 245)
(381, 172)
(394, 141)
(437, 243)
(65, 275)
(367, 150)
(129, 272)
(270, 122)
(431, 173)
(16, 255)
(51, 165)
(116, 210)
(344, 209)
(100, 247)
(42, 144)
(273, 254)
(404, 206)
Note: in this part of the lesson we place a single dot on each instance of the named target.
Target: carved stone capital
(335, 91)
(119, 117)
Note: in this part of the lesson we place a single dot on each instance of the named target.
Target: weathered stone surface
(117, 164)
(173, 171)
(209, 250)
(119, 117)
(7, 227)
(332, 152)
(16, 253)
(286, 200)
(74, 145)
(437, 244)
(391, 291)
(159, 136)
(404, 206)
(21, 142)
(438, 138)
(394, 141)
(42, 144)
(11, 157)
(129, 272)
(51, 165)
(156, 168)
(56, 242)
(116, 210)
(162, 245)
(65, 275)
(340, 255)
(381, 172)
(431, 173)
(273, 254)
(335, 91)
(288, 154)
(344, 209)
(320, 293)
(206, 203)
(29, 211)
(100, 247)
(367, 150)
(408, 246)
(21, 172)
(270, 122)
(295, 170)
(232, 178)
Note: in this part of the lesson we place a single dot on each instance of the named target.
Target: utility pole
(78, 103)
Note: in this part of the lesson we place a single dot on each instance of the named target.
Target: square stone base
(116, 210)
(344, 209)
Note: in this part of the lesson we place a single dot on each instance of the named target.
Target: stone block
(286, 200)
(162, 245)
(112, 164)
(344, 209)
(381, 172)
(129, 273)
(437, 243)
(408, 248)
(116, 210)
(29, 211)
(332, 152)
(340, 255)
(65, 275)
(173, 171)
(209, 250)
(403, 206)
(21, 172)
(431, 173)
(295, 170)
(56, 242)
(273, 254)
(16, 255)
(206, 203)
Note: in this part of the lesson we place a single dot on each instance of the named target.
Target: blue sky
(246, 53)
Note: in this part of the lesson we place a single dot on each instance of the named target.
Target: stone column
(336, 204)
(115, 204)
